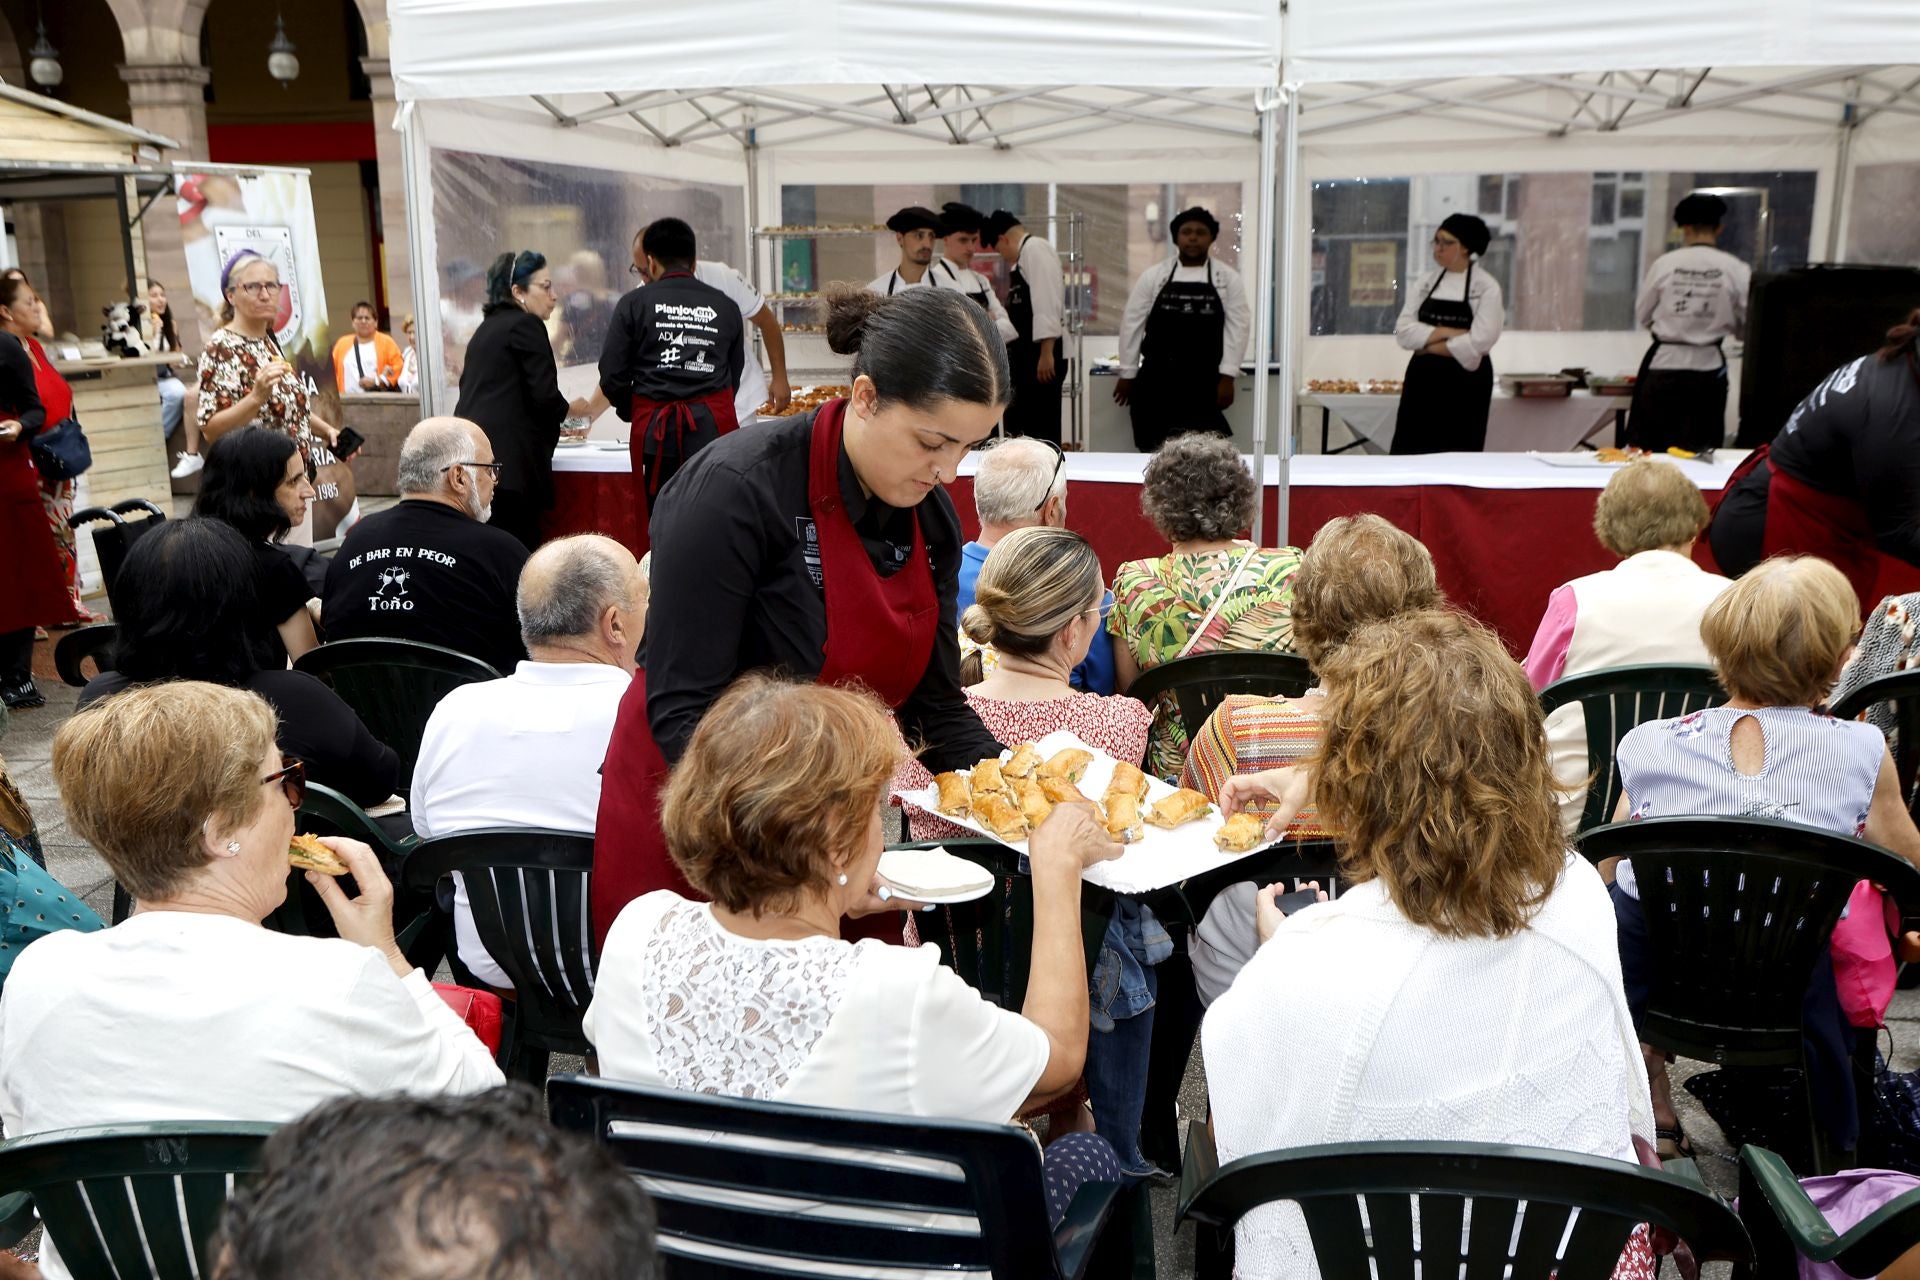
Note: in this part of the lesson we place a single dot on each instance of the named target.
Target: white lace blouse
(681, 1002)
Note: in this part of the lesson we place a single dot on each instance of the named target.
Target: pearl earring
(843, 877)
(233, 846)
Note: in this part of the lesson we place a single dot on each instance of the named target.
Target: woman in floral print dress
(1210, 591)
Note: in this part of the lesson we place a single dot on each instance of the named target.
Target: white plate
(1159, 858)
(981, 886)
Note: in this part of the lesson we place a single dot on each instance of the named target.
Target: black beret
(955, 216)
(1470, 231)
(1195, 214)
(998, 224)
(913, 218)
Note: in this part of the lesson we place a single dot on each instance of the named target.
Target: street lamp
(44, 65)
(281, 64)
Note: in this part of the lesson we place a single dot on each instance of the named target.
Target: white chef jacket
(944, 275)
(1692, 298)
(1046, 287)
(753, 390)
(1233, 297)
(523, 751)
(1489, 313)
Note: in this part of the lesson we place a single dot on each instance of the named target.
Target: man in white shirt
(757, 387)
(525, 751)
(915, 229)
(1693, 299)
(1037, 305)
(1187, 321)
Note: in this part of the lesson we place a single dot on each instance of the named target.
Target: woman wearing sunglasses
(189, 1008)
(183, 603)
(246, 379)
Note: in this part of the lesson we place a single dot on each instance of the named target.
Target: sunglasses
(292, 780)
(1059, 461)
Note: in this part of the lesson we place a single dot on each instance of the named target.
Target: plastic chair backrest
(1499, 1211)
(851, 1161)
(133, 1201)
(1199, 684)
(529, 890)
(1738, 910)
(393, 685)
(1901, 692)
(93, 643)
(1785, 1224)
(1616, 699)
(111, 543)
(989, 941)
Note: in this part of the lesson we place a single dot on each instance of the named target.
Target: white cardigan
(1353, 1024)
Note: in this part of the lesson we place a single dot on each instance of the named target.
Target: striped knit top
(1817, 771)
(1246, 735)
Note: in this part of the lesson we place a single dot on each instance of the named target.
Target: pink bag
(1863, 968)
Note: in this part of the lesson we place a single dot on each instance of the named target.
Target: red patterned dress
(1109, 722)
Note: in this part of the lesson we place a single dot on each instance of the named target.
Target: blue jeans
(1124, 988)
(172, 393)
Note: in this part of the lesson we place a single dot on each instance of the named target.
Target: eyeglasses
(484, 466)
(1444, 241)
(259, 288)
(292, 780)
(1059, 461)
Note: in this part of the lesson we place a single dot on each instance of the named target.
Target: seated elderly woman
(1779, 636)
(1647, 608)
(182, 601)
(189, 1009)
(1037, 604)
(1466, 987)
(1209, 591)
(256, 480)
(1357, 570)
(774, 814)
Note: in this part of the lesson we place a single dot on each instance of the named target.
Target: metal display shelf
(813, 233)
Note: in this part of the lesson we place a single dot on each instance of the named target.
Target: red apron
(1802, 520)
(880, 633)
(667, 423)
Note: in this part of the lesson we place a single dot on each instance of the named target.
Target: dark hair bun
(848, 310)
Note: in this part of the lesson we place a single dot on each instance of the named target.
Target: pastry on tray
(954, 793)
(1123, 816)
(1070, 764)
(988, 777)
(1024, 760)
(999, 815)
(1128, 778)
(1242, 833)
(1183, 806)
(1034, 805)
(1060, 791)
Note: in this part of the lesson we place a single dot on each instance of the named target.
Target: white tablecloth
(1582, 470)
(1515, 424)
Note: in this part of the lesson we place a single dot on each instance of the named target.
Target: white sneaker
(189, 464)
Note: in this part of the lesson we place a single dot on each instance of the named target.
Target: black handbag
(1891, 1134)
(61, 451)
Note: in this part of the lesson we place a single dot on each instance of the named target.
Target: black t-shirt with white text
(674, 339)
(425, 571)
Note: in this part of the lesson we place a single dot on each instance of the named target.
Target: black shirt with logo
(674, 339)
(425, 571)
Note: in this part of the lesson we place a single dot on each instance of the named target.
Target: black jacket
(511, 387)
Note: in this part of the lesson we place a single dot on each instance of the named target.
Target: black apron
(1035, 410)
(980, 295)
(1443, 407)
(1684, 408)
(893, 282)
(1177, 389)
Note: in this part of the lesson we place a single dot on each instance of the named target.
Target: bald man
(526, 751)
(430, 568)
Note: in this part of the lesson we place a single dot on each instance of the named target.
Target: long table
(1504, 529)
(1515, 424)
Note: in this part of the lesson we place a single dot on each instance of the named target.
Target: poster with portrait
(271, 213)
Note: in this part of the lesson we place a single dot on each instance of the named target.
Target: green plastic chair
(393, 685)
(1201, 683)
(989, 941)
(711, 1230)
(529, 889)
(1497, 1210)
(1738, 911)
(1901, 691)
(1785, 1226)
(137, 1201)
(1617, 699)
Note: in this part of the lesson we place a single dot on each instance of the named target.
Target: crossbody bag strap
(1233, 585)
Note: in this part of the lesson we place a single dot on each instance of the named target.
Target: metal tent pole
(1288, 227)
(415, 170)
(1266, 102)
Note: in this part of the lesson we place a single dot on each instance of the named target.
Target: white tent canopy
(1034, 90)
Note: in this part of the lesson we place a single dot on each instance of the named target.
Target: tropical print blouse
(1158, 603)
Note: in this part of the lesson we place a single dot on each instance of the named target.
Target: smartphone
(348, 444)
(1292, 902)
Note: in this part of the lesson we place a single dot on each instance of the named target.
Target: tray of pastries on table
(805, 400)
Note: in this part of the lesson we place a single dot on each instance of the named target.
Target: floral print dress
(228, 367)
(1158, 604)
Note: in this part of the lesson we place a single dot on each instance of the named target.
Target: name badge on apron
(809, 535)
